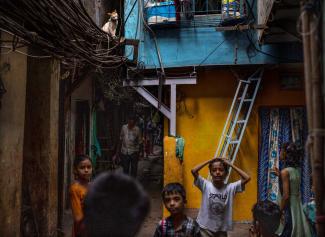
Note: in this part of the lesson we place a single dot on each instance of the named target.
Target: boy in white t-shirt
(215, 215)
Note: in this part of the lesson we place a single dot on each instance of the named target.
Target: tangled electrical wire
(60, 28)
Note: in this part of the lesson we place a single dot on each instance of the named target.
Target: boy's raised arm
(196, 169)
(245, 178)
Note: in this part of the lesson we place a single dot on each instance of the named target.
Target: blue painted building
(196, 42)
(197, 39)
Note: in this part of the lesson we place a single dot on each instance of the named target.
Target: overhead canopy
(281, 18)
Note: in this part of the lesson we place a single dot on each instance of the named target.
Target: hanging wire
(215, 49)
(61, 28)
(255, 48)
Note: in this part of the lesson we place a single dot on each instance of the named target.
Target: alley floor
(150, 175)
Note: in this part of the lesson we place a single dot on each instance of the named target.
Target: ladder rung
(241, 121)
(248, 100)
(234, 142)
(245, 81)
(239, 98)
(245, 100)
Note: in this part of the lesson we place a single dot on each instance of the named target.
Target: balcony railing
(194, 13)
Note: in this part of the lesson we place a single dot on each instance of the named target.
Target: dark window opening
(204, 7)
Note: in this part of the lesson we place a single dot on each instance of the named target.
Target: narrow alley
(162, 118)
(150, 175)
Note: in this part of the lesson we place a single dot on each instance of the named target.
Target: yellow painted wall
(173, 169)
(209, 102)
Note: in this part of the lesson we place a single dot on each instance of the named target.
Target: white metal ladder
(238, 116)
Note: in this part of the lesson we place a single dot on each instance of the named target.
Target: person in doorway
(82, 168)
(266, 219)
(115, 206)
(129, 146)
(291, 197)
(215, 215)
(177, 224)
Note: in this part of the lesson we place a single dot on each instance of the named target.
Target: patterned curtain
(273, 162)
(280, 125)
(263, 154)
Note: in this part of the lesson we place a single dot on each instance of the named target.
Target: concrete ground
(150, 174)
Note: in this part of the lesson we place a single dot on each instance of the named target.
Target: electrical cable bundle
(61, 28)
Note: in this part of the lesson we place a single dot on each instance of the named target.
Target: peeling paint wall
(41, 143)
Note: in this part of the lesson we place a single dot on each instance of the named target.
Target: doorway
(278, 126)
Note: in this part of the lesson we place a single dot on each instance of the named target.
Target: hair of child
(293, 154)
(225, 166)
(79, 159)
(115, 205)
(174, 188)
(268, 215)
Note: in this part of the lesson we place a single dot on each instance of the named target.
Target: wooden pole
(307, 65)
(314, 108)
(317, 101)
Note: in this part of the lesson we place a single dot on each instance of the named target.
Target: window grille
(193, 12)
(205, 7)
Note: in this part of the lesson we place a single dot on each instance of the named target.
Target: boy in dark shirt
(177, 224)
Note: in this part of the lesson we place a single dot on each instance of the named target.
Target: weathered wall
(90, 6)
(41, 142)
(12, 119)
(83, 92)
(209, 102)
(98, 9)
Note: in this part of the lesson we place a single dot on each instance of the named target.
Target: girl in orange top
(82, 169)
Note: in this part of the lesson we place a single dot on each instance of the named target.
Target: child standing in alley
(82, 170)
(177, 224)
(215, 215)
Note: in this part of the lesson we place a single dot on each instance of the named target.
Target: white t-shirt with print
(216, 206)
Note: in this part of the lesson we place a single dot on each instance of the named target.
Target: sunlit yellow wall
(173, 168)
(200, 119)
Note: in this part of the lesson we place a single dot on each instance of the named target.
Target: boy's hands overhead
(225, 160)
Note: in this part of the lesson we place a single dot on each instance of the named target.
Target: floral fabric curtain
(280, 125)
